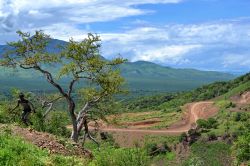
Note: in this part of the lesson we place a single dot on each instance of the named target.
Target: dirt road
(126, 137)
(195, 112)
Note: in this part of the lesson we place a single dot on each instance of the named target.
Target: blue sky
(201, 34)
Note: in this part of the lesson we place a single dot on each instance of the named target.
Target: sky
(201, 34)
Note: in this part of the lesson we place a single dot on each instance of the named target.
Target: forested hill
(140, 76)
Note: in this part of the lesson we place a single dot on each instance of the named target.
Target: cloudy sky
(201, 34)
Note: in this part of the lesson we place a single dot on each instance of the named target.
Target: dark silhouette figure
(27, 109)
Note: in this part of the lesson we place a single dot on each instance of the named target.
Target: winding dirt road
(196, 111)
(126, 137)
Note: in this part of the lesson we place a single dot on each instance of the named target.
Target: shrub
(202, 123)
(241, 116)
(183, 137)
(212, 136)
(242, 148)
(209, 154)
(57, 123)
(207, 124)
(212, 123)
(237, 117)
(120, 157)
(151, 148)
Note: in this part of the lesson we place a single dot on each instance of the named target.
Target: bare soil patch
(243, 98)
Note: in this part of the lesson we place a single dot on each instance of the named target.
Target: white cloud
(171, 54)
(135, 35)
(195, 44)
(205, 45)
(239, 59)
(16, 14)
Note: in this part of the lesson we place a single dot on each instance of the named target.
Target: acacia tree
(78, 61)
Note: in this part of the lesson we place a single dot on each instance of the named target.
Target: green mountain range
(140, 76)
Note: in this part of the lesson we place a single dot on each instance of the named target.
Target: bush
(55, 123)
(183, 137)
(209, 154)
(207, 124)
(8, 116)
(212, 136)
(241, 116)
(242, 148)
(151, 148)
(120, 157)
(202, 123)
(212, 123)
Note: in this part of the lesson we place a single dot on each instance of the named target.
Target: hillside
(214, 117)
(172, 101)
(140, 76)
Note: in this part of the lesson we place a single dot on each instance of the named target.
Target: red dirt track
(199, 110)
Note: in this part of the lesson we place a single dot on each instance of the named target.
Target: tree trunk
(74, 134)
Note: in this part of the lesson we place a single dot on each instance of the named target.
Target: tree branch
(51, 80)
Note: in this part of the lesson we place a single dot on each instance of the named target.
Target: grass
(16, 151)
(241, 88)
(223, 104)
(209, 154)
(111, 156)
(169, 140)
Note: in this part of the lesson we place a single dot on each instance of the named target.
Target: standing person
(27, 108)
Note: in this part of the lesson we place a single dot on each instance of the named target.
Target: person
(28, 107)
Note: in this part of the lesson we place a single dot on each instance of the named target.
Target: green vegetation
(207, 154)
(173, 102)
(15, 151)
(242, 148)
(207, 124)
(120, 157)
(220, 140)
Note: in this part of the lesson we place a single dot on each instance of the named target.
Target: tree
(78, 61)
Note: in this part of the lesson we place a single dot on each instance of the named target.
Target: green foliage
(38, 121)
(148, 102)
(15, 151)
(173, 102)
(224, 104)
(193, 161)
(120, 157)
(207, 124)
(55, 123)
(242, 148)
(207, 154)
(8, 116)
(243, 86)
(241, 116)
(171, 156)
(151, 147)
(183, 137)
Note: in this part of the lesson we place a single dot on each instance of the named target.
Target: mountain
(154, 77)
(140, 76)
